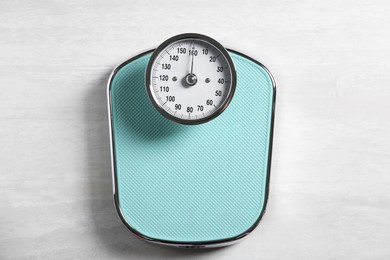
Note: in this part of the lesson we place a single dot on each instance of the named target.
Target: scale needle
(192, 58)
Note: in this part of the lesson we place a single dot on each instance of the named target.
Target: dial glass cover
(190, 78)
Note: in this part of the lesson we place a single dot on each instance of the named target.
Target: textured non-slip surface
(191, 183)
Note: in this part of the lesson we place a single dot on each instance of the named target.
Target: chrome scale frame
(189, 245)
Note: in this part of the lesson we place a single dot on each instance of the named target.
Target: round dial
(190, 78)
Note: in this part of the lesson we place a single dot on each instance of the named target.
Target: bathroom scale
(191, 126)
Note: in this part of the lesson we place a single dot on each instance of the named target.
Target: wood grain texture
(330, 179)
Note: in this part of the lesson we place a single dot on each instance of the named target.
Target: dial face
(190, 79)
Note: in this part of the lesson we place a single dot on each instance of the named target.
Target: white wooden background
(330, 185)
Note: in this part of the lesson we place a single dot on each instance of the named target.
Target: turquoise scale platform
(191, 184)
